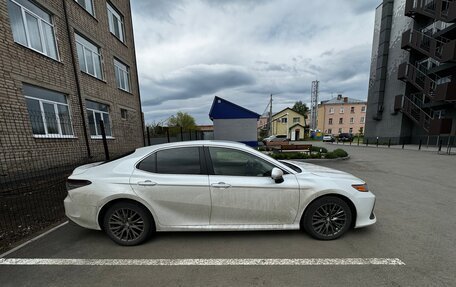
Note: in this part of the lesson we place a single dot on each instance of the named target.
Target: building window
(363, 109)
(97, 112)
(296, 120)
(48, 111)
(330, 121)
(329, 131)
(341, 110)
(352, 110)
(352, 120)
(331, 110)
(89, 57)
(362, 120)
(122, 72)
(350, 130)
(341, 120)
(87, 5)
(361, 129)
(116, 23)
(340, 130)
(124, 114)
(32, 27)
(284, 120)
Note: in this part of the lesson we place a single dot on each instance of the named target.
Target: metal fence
(38, 153)
(159, 135)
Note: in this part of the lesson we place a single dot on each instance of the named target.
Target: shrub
(340, 152)
(317, 149)
(290, 155)
(330, 155)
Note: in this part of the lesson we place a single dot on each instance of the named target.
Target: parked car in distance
(345, 137)
(275, 138)
(329, 138)
(210, 186)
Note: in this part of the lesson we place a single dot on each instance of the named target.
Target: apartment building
(412, 87)
(66, 66)
(341, 115)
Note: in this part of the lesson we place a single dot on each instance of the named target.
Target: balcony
(434, 126)
(411, 74)
(445, 92)
(449, 52)
(427, 45)
(444, 10)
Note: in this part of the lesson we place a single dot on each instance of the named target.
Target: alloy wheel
(329, 219)
(126, 224)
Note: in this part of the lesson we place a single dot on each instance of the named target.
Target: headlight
(361, 187)
(75, 183)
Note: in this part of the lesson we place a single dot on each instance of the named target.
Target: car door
(175, 183)
(243, 191)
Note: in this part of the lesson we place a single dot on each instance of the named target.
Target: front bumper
(83, 215)
(365, 210)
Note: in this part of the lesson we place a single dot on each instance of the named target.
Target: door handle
(221, 185)
(147, 183)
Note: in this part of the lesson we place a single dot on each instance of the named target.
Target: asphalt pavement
(416, 199)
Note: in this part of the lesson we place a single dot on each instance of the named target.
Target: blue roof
(223, 109)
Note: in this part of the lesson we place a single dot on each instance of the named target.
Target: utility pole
(314, 105)
(270, 116)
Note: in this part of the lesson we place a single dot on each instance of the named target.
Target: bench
(296, 148)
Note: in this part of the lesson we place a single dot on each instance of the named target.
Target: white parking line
(33, 239)
(201, 262)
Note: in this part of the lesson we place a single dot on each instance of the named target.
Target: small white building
(233, 122)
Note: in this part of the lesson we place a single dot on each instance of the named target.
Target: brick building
(64, 67)
(341, 115)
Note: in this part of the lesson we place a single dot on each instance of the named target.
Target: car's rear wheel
(127, 223)
(327, 218)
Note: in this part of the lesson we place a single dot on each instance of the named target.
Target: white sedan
(214, 185)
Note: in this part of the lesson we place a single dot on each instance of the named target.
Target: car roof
(147, 149)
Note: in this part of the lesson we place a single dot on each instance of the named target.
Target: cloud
(244, 50)
(195, 81)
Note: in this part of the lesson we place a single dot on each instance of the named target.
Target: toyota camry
(210, 186)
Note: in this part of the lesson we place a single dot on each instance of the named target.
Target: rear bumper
(82, 215)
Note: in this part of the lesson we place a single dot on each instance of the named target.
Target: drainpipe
(76, 76)
(137, 75)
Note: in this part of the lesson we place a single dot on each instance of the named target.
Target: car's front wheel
(127, 223)
(327, 218)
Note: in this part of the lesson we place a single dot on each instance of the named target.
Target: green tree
(184, 120)
(301, 108)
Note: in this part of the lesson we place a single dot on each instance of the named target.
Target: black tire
(327, 218)
(128, 224)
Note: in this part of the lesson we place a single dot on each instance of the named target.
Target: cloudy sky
(244, 50)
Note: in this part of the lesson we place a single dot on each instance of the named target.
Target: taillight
(76, 183)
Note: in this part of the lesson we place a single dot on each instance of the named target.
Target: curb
(321, 159)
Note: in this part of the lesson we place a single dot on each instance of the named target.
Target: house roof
(341, 100)
(296, 124)
(223, 109)
(285, 110)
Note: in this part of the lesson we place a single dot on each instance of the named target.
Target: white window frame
(40, 27)
(352, 110)
(296, 120)
(91, 4)
(56, 111)
(126, 114)
(112, 12)
(85, 50)
(331, 110)
(341, 110)
(284, 120)
(98, 133)
(124, 71)
(340, 130)
(330, 121)
(341, 121)
(363, 109)
(350, 130)
(362, 120)
(352, 120)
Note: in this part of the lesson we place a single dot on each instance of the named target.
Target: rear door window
(185, 160)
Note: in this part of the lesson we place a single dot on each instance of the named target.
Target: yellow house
(290, 123)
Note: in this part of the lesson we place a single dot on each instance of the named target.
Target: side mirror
(277, 175)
